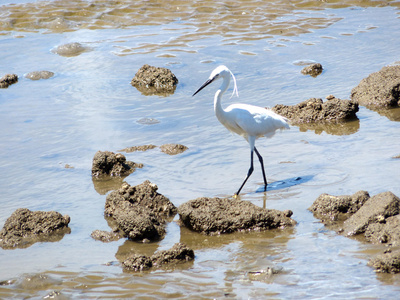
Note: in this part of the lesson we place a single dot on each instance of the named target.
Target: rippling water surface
(52, 128)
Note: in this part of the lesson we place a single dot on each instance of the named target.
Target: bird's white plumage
(244, 119)
(248, 121)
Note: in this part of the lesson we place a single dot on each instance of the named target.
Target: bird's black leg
(262, 167)
(248, 173)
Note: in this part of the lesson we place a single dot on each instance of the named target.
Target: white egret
(248, 121)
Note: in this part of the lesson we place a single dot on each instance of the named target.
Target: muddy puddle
(53, 126)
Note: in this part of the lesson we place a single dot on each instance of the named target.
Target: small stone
(106, 163)
(8, 80)
(314, 70)
(173, 149)
(70, 49)
(151, 80)
(36, 75)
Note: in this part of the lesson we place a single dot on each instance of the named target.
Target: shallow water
(89, 105)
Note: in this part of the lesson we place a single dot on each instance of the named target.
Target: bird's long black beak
(204, 85)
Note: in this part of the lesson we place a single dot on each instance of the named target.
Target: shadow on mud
(286, 183)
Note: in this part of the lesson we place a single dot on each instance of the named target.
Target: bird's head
(220, 72)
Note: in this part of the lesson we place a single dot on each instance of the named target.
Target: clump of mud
(222, 215)
(8, 80)
(24, 228)
(177, 254)
(151, 80)
(377, 218)
(36, 75)
(70, 49)
(379, 90)
(137, 212)
(316, 110)
(313, 70)
(106, 163)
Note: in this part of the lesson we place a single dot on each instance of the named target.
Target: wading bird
(248, 121)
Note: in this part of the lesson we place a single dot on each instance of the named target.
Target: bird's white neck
(219, 111)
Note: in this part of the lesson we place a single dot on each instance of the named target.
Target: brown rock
(379, 90)
(315, 110)
(24, 228)
(151, 80)
(105, 236)
(331, 208)
(139, 212)
(110, 164)
(137, 263)
(223, 215)
(375, 210)
(388, 262)
(173, 149)
(314, 70)
(385, 230)
(8, 80)
(177, 254)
